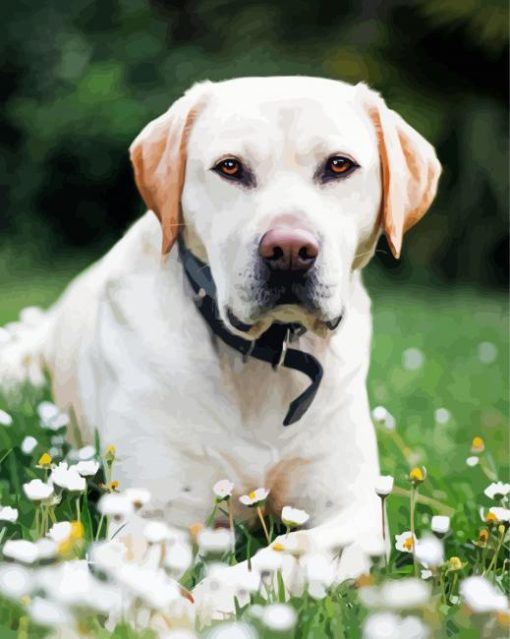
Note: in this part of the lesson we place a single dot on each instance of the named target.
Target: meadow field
(438, 385)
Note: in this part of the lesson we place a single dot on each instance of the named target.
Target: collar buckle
(283, 352)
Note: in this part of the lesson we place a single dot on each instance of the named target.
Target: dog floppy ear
(158, 155)
(409, 167)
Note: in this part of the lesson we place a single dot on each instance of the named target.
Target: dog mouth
(286, 305)
(284, 297)
(287, 317)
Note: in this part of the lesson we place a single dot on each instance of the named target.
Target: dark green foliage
(78, 81)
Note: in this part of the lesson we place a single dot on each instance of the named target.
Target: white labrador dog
(282, 187)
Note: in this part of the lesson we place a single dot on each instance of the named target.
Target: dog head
(283, 185)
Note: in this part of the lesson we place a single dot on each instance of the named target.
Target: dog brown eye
(230, 167)
(339, 165)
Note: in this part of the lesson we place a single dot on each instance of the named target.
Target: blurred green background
(80, 79)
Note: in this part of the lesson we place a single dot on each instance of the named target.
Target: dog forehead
(300, 109)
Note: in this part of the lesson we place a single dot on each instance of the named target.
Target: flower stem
(23, 628)
(412, 499)
(442, 577)
(494, 560)
(453, 586)
(78, 511)
(99, 526)
(383, 523)
(232, 530)
(36, 522)
(211, 517)
(44, 520)
(264, 527)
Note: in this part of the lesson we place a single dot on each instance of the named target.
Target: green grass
(448, 328)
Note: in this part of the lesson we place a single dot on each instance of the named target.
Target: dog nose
(288, 249)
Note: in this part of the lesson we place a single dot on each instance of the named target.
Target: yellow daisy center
(416, 474)
(364, 580)
(455, 563)
(491, 518)
(484, 534)
(503, 617)
(477, 445)
(409, 543)
(77, 530)
(252, 494)
(278, 547)
(195, 529)
(45, 459)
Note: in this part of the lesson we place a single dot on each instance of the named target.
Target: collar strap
(271, 346)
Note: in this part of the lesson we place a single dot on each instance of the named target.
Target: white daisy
(481, 596)
(138, 497)
(279, 617)
(442, 416)
(72, 584)
(254, 497)
(497, 490)
(319, 569)
(67, 478)
(52, 418)
(405, 542)
(214, 541)
(86, 468)
(109, 555)
(383, 417)
(46, 549)
(501, 514)
(86, 453)
(232, 630)
(15, 581)
(397, 594)
(267, 560)
(384, 485)
(156, 532)
(405, 593)
(37, 490)
(429, 551)
(413, 628)
(472, 461)
(60, 531)
(487, 352)
(21, 550)
(223, 489)
(179, 557)
(153, 586)
(8, 514)
(412, 359)
(381, 625)
(5, 418)
(440, 524)
(293, 517)
(48, 613)
(113, 505)
(28, 444)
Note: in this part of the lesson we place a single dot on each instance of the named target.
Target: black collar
(271, 346)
